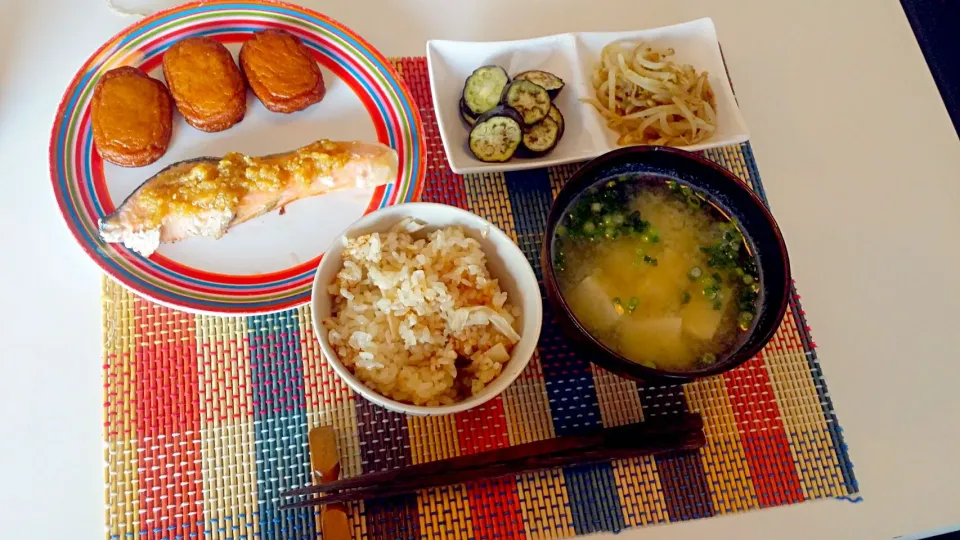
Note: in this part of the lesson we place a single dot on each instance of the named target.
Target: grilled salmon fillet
(208, 196)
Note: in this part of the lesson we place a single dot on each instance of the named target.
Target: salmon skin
(208, 196)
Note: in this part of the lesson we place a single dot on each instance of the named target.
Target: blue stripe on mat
(567, 376)
(280, 423)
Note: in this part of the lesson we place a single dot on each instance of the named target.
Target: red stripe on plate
(765, 444)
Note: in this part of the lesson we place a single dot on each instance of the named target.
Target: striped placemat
(206, 418)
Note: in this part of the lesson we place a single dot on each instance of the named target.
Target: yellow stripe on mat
(724, 460)
(618, 398)
(445, 513)
(804, 423)
(120, 450)
(432, 438)
(640, 492)
(526, 406)
(226, 418)
(544, 504)
(732, 159)
(487, 197)
(559, 176)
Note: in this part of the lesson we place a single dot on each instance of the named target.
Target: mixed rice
(418, 318)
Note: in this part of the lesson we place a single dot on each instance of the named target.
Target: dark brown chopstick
(608, 436)
(655, 436)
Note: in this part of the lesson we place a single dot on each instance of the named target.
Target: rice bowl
(429, 321)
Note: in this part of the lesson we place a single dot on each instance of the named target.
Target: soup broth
(656, 272)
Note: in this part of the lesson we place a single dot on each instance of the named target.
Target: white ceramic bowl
(505, 261)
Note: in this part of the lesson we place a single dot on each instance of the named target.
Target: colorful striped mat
(206, 418)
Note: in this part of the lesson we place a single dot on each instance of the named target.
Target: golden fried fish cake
(132, 117)
(206, 83)
(281, 71)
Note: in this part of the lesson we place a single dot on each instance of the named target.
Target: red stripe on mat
(441, 184)
(494, 504)
(764, 441)
(168, 422)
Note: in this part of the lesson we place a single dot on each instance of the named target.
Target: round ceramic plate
(267, 264)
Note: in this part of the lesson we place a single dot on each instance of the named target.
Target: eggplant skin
(542, 138)
(483, 88)
(497, 135)
(558, 118)
(547, 80)
(466, 114)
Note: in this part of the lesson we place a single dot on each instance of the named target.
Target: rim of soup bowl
(518, 267)
(585, 177)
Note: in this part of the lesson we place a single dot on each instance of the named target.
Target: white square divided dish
(572, 57)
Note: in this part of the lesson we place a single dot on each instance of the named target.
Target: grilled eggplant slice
(542, 137)
(550, 82)
(530, 100)
(465, 113)
(555, 115)
(496, 135)
(483, 88)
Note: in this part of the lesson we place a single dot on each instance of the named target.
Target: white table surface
(857, 154)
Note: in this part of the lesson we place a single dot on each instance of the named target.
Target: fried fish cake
(206, 83)
(132, 117)
(281, 71)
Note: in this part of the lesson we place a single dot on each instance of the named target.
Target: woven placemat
(206, 418)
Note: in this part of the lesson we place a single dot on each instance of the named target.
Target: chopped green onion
(716, 278)
(633, 303)
(748, 279)
(707, 359)
(717, 304)
(695, 272)
(686, 298)
(618, 219)
(744, 320)
(611, 184)
(618, 305)
(610, 234)
(561, 230)
(589, 227)
(596, 207)
(652, 261)
(645, 238)
(739, 271)
(755, 287)
(607, 220)
(710, 292)
(686, 191)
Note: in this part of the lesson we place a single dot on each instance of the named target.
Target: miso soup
(655, 271)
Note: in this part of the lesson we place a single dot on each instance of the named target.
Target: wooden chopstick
(655, 436)
(608, 436)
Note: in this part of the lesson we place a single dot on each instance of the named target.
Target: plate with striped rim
(268, 264)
